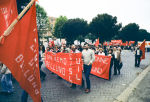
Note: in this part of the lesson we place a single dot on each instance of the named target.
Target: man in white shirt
(117, 60)
(138, 55)
(88, 59)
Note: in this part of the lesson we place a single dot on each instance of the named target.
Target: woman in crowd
(101, 52)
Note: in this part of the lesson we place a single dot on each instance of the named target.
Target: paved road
(142, 92)
(56, 90)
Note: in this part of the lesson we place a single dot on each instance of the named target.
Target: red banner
(131, 42)
(69, 66)
(142, 47)
(20, 54)
(101, 66)
(66, 65)
(116, 42)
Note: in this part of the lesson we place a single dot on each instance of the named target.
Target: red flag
(97, 42)
(8, 12)
(21, 55)
(142, 48)
(51, 43)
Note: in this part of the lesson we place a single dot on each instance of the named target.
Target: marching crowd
(88, 57)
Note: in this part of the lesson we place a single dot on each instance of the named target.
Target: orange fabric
(116, 42)
(101, 66)
(8, 12)
(68, 66)
(97, 42)
(20, 54)
(51, 44)
(142, 47)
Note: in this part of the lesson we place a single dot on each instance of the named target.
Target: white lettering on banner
(25, 73)
(63, 61)
(32, 47)
(37, 91)
(31, 62)
(6, 20)
(78, 68)
(77, 77)
(78, 60)
(97, 70)
(19, 58)
(34, 84)
(101, 60)
(31, 78)
(70, 71)
(70, 79)
(4, 10)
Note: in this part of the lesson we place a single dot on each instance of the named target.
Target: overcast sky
(127, 11)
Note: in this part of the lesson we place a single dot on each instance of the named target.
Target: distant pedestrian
(138, 55)
(110, 53)
(117, 60)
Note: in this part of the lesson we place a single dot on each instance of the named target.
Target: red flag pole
(9, 29)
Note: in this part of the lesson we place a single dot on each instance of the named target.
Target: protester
(110, 53)
(88, 59)
(116, 61)
(42, 74)
(97, 50)
(101, 52)
(138, 55)
(74, 50)
(6, 80)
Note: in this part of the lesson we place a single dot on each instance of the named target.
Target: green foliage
(130, 32)
(74, 29)
(58, 26)
(21, 4)
(105, 27)
(42, 18)
(42, 21)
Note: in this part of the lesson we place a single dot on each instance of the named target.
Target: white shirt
(115, 53)
(101, 53)
(138, 52)
(88, 56)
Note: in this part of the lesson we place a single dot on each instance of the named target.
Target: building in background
(49, 34)
(52, 21)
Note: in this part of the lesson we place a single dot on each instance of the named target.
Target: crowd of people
(88, 56)
(87, 51)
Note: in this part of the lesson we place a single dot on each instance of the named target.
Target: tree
(74, 29)
(143, 34)
(43, 24)
(58, 26)
(21, 4)
(104, 26)
(130, 32)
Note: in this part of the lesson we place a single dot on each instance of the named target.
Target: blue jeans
(6, 83)
(87, 70)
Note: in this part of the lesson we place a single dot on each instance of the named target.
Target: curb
(123, 97)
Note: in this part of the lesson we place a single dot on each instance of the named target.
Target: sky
(126, 11)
